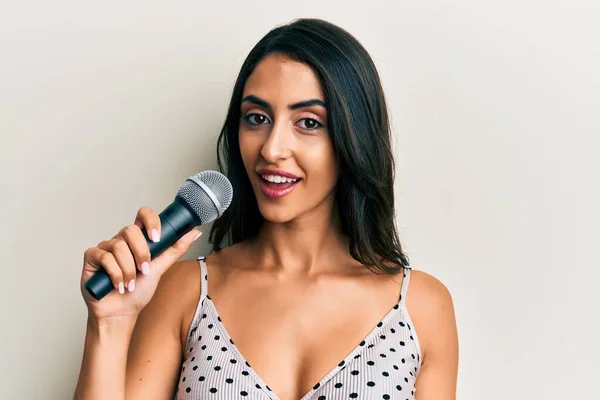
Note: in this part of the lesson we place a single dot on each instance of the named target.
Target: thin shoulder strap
(405, 283)
(203, 289)
(203, 277)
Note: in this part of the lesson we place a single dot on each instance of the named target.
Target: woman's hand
(122, 257)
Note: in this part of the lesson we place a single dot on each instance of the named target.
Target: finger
(132, 234)
(122, 254)
(149, 220)
(101, 258)
(167, 258)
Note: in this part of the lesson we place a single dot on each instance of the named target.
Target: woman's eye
(256, 119)
(310, 124)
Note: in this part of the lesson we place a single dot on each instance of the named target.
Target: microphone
(201, 199)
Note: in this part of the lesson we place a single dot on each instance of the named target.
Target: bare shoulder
(428, 291)
(431, 308)
(176, 296)
(179, 290)
(180, 283)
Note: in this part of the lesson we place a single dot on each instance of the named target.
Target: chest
(294, 342)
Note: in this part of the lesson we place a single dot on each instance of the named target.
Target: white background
(109, 106)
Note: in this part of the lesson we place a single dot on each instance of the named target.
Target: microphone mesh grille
(195, 196)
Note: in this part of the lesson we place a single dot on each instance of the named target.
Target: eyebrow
(265, 104)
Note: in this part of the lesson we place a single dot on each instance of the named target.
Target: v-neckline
(339, 367)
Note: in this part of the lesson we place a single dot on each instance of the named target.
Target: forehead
(279, 79)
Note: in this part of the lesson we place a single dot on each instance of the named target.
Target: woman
(312, 299)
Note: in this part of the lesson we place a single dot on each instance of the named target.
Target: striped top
(384, 365)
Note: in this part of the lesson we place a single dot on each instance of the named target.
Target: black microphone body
(201, 199)
(176, 220)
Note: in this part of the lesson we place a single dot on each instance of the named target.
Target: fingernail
(131, 285)
(145, 268)
(197, 236)
(121, 288)
(155, 236)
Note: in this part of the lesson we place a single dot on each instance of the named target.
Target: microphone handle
(176, 220)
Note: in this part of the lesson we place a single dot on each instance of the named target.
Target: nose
(278, 143)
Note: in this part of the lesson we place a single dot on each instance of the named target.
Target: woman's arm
(155, 352)
(431, 308)
(147, 315)
(140, 358)
(104, 359)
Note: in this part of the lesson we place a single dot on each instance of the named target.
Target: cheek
(320, 164)
(247, 150)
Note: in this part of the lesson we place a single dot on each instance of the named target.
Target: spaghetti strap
(203, 277)
(203, 288)
(405, 283)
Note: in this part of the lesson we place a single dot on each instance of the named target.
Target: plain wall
(109, 106)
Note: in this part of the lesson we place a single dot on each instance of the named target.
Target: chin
(275, 214)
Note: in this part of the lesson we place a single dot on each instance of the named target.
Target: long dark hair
(359, 128)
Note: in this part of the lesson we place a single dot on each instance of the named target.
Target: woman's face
(284, 142)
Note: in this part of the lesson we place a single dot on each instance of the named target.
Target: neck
(307, 245)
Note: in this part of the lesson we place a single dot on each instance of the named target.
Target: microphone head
(208, 193)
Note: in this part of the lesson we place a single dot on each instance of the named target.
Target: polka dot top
(384, 365)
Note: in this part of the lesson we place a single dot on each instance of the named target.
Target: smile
(276, 186)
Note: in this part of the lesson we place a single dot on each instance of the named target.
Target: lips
(267, 171)
(277, 190)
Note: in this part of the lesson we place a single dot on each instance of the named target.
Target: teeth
(278, 179)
